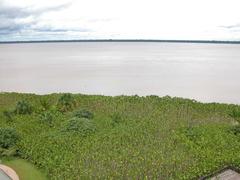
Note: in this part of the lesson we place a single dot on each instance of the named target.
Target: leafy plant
(82, 126)
(193, 133)
(116, 118)
(235, 114)
(154, 138)
(83, 113)
(45, 103)
(12, 151)
(23, 107)
(66, 102)
(8, 137)
(235, 130)
(8, 115)
(46, 117)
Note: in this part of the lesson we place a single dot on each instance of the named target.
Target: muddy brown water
(205, 72)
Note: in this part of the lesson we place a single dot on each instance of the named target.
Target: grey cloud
(52, 29)
(12, 12)
(53, 8)
(101, 20)
(20, 12)
(11, 16)
(10, 26)
(234, 26)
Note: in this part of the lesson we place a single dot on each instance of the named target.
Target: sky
(23, 20)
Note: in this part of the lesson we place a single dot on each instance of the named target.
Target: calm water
(206, 72)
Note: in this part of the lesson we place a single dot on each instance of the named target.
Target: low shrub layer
(129, 137)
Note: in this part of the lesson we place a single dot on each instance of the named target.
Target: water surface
(205, 72)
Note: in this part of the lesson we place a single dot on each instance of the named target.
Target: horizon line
(124, 40)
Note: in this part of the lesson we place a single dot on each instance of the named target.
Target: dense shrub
(8, 152)
(45, 104)
(82, 126)
(236, 130)
(8, 137)
(146, 142)
(66, 102)
(23, 107)
(8, 115)
(46, 117)
(235, 114)
(116, 118)
(83, 113)
(193, 133)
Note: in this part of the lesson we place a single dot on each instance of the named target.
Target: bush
(193, 133)
(8, 115)
(8, 152)
(45, 104)
(23, 107)
(83, 114)
(46, 117)
(116, 118)
(8, 137)
(65, 102)
(235, 114)
(235, 130)
(82, 126)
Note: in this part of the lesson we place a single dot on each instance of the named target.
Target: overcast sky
(119, 19)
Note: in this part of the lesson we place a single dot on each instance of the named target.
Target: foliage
(8, 115)
(116, 118)
(213, 147)
(235, 114)
(235, 130)
(82, 126)
(193, 134)
(130, 137)
(8, 152)
(66, 102)
(46, 117)
(45, 103)
(83, 113)
(23, 107)
(8, 137)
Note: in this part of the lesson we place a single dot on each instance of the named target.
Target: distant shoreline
(124, 40)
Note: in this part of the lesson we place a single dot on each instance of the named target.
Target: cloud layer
(107, 19)
(16, 21)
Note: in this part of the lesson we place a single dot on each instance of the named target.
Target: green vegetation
(65, 102)
(83, 113)
(8, 139)
(46, 117)
(82, 126)
(235, 114)
(8, 115)
(236, 130)
(23, 107)
(45, 103)
(125, 137)
(25, 170)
